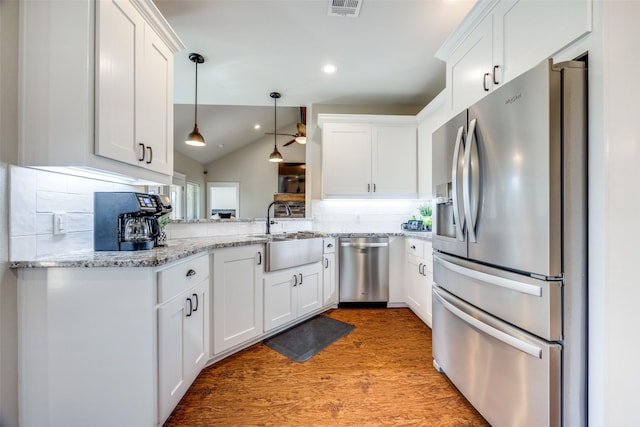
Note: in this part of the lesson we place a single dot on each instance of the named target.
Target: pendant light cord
(275, 122)
(196, 106)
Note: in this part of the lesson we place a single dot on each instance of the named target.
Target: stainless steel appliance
(124, 221)
(364, 270)
(510, 294)
(160, 219)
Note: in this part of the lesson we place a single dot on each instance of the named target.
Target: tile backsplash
(35, 196)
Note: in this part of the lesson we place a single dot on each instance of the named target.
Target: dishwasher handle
(363, 245)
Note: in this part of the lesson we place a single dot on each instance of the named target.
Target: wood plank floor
(380, 374)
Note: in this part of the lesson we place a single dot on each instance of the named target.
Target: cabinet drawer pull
(326, 263)
(196, 297)
(484, 82)
(150, 150)
(141, 152)
(420, 268)
(330, 245)
(191, 272)
(190, 307)
(259, 258)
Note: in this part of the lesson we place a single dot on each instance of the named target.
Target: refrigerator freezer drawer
(510, 377)
(531, 304)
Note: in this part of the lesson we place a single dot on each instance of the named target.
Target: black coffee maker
(160, 219)
(124, 221)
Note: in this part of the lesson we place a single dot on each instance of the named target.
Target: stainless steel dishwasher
(364, 270)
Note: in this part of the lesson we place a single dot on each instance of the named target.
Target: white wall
(257, 176)
(8, 154)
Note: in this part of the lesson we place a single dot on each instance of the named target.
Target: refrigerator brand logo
(513, 99)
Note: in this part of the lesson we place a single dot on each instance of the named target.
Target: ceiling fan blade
(289, 143)
(274, 133)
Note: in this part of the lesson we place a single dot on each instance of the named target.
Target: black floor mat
(308, 338)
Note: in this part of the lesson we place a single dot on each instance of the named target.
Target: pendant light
(275, 157)
(194, 138)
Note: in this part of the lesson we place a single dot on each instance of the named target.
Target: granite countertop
(175, 249)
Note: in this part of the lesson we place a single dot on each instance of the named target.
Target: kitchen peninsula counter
(175, 249)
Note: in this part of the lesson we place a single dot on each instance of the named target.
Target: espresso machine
(160, 219)
(125, 221)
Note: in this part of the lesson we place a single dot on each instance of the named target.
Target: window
(224, 199)
(193, 200)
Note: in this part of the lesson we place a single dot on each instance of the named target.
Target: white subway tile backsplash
(44, 223)
(77, 222)
(48, 201)
(49, 244)
(22, 247)
(50, 181)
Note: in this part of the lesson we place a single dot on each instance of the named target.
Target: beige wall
(257, 176)
(8, 154)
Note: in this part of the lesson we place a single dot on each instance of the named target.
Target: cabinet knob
(191, 272)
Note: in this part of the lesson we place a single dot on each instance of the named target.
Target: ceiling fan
(301, 136)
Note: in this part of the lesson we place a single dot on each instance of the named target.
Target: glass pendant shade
(301, 139)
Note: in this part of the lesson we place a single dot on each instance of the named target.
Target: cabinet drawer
(182, 276)
(329, 245)
(414, 247)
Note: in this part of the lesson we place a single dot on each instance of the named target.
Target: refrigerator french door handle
(457, 218)
(471, 216)
(512, 285)
(507, 339)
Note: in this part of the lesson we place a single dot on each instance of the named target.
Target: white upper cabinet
(96, 85)
(134, 96)
(369, 156)
(499, 40)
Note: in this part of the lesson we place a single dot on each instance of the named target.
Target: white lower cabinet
(237, 297)
(110, 346)
(291, 293)
(419, 277)
(183, 332)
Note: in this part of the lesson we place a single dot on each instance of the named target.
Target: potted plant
(426, 212)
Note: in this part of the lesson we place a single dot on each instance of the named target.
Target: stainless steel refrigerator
(510, 249)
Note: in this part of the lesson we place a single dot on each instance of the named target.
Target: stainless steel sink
(291, 250)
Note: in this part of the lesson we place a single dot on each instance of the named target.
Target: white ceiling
(254, 47)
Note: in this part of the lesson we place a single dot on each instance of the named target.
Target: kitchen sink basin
(292, 250)
(280, 237)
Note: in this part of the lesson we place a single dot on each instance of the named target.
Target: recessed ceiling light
(220, 145)
(256, 126)
(329, 68)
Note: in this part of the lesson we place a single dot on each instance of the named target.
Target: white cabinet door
(346, 160)
(196, 340)
(329, 291)
(415, 296)
(291, 293)
(156, 112)
(309, 289)
(237, 296)
(279, 298)
(172, 369)
(469, 68)
(120, 41)
(419, 278)
(394, 169)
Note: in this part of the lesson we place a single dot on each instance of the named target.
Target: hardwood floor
(380, 374)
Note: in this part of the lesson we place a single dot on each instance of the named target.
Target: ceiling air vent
(350, 8)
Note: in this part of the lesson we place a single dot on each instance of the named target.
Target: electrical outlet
(59, 223)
